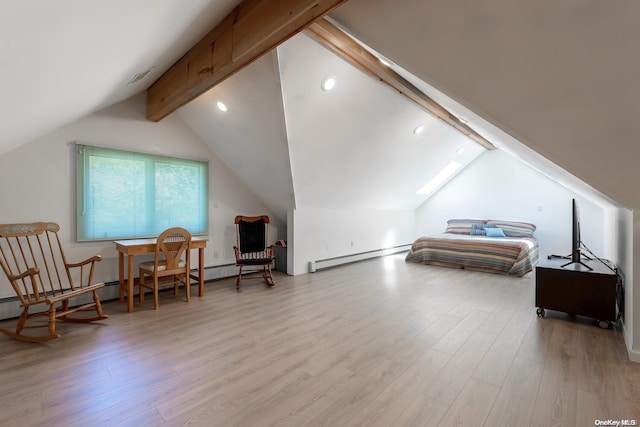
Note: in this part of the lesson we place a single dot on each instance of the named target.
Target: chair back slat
(38, 290)
(9, 266)
(53, 260)
(52, 229)
(57, 261)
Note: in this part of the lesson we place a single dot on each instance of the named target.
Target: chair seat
(162, 266)
(253, 261)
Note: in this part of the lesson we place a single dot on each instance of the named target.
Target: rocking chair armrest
(93, 259)
(30, 272)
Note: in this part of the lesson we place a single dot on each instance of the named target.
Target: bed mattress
(514, 256)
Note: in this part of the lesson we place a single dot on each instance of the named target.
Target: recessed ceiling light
(221, 106)
(418, 129)
(328, 83)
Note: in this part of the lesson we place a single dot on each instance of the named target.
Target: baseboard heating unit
(10, 306)
(323, 264)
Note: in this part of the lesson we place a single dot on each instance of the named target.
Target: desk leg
(201, 272)
(130, 284)
(121, 276)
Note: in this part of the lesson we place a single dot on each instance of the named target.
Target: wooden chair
(251, 250)
(32, 258)
(171, 261)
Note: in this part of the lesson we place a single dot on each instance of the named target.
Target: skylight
(435, 182)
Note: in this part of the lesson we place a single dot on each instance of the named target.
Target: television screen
(576, 259)
(575, 238)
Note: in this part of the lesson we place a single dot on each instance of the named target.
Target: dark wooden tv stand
(576, 290)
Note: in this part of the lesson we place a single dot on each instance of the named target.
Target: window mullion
(150, 196)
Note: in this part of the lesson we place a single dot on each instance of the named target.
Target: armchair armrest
(93, 259)
(27, 292)
(30, 272)
(85, 279)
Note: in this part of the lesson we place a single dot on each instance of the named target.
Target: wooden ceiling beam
(252, 29)
(340, 43)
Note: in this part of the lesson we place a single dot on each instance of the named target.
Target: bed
(496, 246)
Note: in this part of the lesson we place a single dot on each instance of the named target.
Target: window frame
(149, 225)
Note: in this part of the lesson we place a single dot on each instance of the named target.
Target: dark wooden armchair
(251, 250)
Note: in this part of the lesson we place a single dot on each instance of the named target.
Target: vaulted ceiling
(349, 148)
(551, 84)
(62, 60)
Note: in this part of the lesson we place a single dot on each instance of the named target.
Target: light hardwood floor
(376, 343)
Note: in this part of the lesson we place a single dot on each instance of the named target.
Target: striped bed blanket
(514, 256)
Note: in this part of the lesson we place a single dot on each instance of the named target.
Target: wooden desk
(134, 247)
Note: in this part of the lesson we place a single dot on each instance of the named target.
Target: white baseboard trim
(10, 306)
(634, 355)
(322, 264)
(218, 272)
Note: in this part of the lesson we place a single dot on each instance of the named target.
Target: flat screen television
(576, 243)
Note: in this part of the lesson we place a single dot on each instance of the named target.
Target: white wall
(326, 233)
(499, 186)
(632, 296)
(39, 180)
(625, 247)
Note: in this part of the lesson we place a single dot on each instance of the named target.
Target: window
(121, 194)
